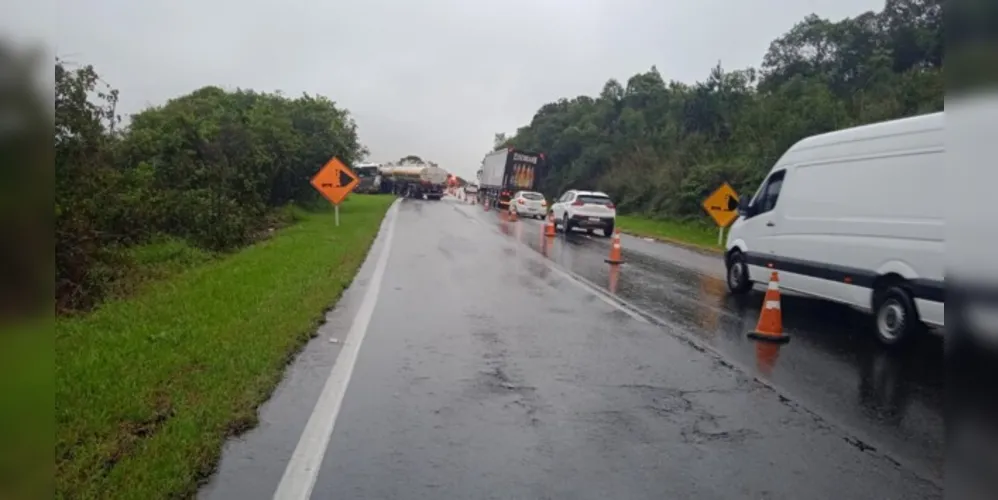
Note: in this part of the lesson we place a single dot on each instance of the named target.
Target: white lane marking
(569, 276)
(303, 468)
(595, 291)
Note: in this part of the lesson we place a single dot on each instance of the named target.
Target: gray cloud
(435, 78)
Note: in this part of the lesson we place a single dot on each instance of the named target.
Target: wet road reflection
(525, 384)
(833, 366)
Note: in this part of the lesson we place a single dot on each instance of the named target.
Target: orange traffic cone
(766, 354)
(549, 227)
(486, 204)
(615, 257)
(770, 326)
(512, 215)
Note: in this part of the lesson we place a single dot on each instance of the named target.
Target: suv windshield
(591, 199)
(532, 196)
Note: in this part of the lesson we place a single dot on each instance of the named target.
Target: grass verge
(688, 234)
(26, 402)
(149, 387)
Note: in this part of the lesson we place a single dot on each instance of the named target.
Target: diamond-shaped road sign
(335, 181)
(722, 205)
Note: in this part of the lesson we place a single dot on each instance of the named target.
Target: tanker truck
(414, 181)
(368, 177)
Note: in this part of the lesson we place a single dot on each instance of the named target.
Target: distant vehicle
(506, 171)
(853, 216)
(368, 176)
(585, 209)
(414, 181)
(529, 204)
(471, 188)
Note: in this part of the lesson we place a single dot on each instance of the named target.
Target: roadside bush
(213, 167)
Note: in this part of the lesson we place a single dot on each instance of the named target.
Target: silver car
(529, 204)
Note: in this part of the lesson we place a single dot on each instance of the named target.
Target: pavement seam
(854, 438)
(850, 436)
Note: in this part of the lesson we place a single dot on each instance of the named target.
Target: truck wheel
(608, 231)
(895, 316)
(737, 274)
(566, 223)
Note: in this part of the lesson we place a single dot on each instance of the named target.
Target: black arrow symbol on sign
(345, 178)
(732, 203)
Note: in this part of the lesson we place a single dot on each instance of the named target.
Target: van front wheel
(738, 276)
(895, 317)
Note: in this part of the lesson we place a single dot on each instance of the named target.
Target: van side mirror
(743, 207)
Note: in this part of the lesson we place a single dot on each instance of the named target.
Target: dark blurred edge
(26, 269)
(971, 69)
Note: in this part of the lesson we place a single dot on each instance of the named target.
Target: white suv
(585, 209)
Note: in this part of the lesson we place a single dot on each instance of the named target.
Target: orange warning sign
(722, 205)
(335, 181)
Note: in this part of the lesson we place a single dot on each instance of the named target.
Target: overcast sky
(435, 78)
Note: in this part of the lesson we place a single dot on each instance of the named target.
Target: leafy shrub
(213, 167)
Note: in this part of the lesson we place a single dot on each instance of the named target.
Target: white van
(853, 216)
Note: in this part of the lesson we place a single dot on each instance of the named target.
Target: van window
(770, 193)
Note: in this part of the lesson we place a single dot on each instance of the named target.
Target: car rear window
(593, 200)
(532, 196)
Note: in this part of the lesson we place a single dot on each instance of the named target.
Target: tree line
(211, 167)
(659, 148)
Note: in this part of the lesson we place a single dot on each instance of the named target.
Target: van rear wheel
(738, 275)
(895, 317)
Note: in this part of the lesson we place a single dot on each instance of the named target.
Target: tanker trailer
(414, 181)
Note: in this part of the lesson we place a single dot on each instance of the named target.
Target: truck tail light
(577, 203)
(610, 206)
(544, 203)
(520, 201)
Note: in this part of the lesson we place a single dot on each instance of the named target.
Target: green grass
(149, 387)
(26, 402)
(157, 261)
(691, 234)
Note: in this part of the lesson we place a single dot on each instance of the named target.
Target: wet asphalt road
(892, 402)
(494, 368)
